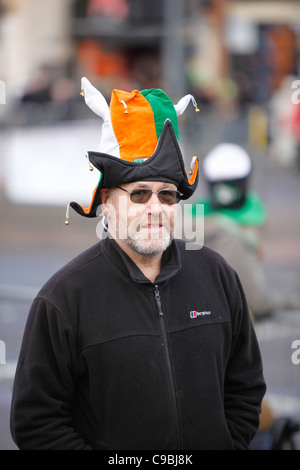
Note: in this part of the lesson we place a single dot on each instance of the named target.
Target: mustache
(154, 221)
(147, 227)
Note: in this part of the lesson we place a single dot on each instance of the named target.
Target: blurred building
(33, 34)
(217, 47)
(232, 55)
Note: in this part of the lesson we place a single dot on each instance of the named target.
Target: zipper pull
(158, 301)
(156, 293)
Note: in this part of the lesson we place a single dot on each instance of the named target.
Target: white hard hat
(226, 162)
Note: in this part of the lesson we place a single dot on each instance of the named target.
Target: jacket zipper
(169, 368)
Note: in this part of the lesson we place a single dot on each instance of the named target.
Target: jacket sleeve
(244, 385)
(41, 411)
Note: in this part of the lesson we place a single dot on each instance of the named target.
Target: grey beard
(145, 250)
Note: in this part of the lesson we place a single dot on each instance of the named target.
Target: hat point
(94, 99)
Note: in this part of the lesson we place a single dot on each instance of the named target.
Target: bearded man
(139, 343)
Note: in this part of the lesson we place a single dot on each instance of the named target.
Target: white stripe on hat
(97, 103)
(182, 104)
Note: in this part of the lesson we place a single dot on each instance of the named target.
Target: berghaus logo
(195, 314)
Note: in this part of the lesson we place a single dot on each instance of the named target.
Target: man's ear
(104, 193)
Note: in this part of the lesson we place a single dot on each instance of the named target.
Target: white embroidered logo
(195, 314)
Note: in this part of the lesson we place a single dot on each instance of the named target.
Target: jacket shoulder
(193, 251)
(73, 269)
(206, 264)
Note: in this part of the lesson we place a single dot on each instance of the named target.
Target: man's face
(147, 227)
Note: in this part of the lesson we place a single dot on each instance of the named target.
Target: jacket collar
(171, 263)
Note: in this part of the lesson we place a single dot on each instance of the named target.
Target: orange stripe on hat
(133, 124)
(193, 172)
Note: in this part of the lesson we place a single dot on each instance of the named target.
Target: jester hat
(139, 142)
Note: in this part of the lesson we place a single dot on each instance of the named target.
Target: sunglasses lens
(168, 197)
(141, 196)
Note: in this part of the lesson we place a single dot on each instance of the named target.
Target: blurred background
(241, 61)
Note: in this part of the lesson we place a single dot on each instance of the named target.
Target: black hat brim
(166, 164)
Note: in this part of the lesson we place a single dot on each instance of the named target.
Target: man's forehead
(150, 185)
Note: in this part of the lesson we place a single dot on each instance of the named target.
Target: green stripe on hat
(162, 108)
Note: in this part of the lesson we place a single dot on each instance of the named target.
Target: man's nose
(154, 204)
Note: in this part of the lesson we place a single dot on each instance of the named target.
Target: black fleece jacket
(111, 361)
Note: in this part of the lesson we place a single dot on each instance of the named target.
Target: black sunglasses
(165, 196)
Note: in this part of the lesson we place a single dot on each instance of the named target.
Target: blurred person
(47, 98)
(296, 131)
(62, 99)
(139, 343)
(233, 214)
(283, 140)
(38, 91)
